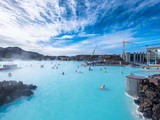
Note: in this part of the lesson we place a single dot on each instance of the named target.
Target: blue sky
(70, 27)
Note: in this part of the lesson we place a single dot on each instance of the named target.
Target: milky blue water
(73, 96)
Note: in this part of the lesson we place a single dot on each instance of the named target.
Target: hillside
(18, 53)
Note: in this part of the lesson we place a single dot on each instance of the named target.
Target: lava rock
(148, 114)
(149, 100)
(136, 101)
(156, 112)
(11, 90)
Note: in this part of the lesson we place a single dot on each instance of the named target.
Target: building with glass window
(153, 56)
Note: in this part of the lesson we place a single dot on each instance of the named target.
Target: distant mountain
(14, 53)
(18, 53)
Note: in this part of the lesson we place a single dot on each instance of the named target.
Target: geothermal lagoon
(72, 96)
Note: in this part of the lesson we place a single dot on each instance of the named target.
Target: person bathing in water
(9, 74)
(103, 87)
(63, 73)
(90, 69)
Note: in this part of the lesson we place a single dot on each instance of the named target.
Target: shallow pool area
(72, 96)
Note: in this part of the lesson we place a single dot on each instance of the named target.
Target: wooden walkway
(141, 71)
(152, 66)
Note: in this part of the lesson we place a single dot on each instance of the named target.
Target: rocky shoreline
(149, 99)
(12, 90)
(113, 63)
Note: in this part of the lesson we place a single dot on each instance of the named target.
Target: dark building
(135, 57)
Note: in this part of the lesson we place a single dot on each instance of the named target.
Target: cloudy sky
(69, 27)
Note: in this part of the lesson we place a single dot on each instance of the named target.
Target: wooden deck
(142, 71)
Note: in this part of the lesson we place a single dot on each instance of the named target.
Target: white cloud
(24, 23)
(86, 35)
(64, 37)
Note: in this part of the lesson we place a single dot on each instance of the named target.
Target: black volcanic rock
(137, 101)
(156, 112)
(11, 90)
(149, 100)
